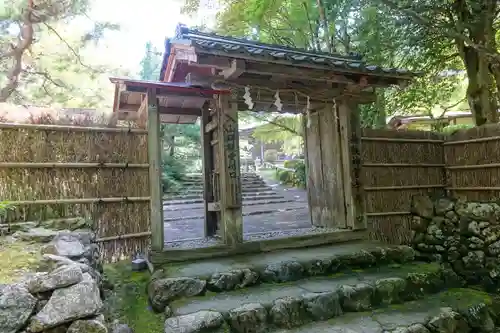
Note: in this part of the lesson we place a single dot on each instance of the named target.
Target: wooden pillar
(305, 133)
(154, 156)
(350, 130)
(208, 170)
(229, 171)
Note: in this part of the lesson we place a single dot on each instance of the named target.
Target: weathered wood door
(325, 183)
(222, 193)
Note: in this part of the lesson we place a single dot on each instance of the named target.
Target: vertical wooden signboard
(229, 171)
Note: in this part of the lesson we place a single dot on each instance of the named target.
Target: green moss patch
(16, 259)
(128, 301)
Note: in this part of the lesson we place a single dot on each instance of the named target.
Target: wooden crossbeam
(129, 108)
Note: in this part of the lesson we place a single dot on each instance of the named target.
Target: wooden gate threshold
(301, 241)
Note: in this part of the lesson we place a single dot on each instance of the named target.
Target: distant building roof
(405, 119)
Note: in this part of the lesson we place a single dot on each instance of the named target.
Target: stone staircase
(254, 191)
(356, 287)
(268, 211)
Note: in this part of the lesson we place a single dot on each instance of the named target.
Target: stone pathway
(269, 210)
(356, 287)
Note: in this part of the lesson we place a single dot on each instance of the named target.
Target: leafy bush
(270, 155)
(296, 178)
(300, 174)
(286, 177)
(450, 129)
(292, 164)
(172, 172)
(5, 207)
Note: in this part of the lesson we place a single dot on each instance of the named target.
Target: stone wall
(65, 297)
(464, 236)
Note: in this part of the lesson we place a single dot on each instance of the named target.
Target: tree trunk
(381, 116)
(481, 92)
(172, 146)
(478, 90)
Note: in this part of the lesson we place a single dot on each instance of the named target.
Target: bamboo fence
(396, 165)
(51, 171)
(473, 163)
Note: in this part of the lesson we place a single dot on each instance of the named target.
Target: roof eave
(400, 76)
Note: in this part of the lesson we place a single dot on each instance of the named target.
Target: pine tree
(150, 63)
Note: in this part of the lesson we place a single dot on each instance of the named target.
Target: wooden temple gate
(216, 76)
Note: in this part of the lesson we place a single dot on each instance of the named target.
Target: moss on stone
(17, 258)
(421, 267)
(466, 297)
(128, 301)
(337, 275)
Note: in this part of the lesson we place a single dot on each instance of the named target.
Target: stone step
(243, 182)
(190, 190)
(198, 204)
(262, 211)
(200, 181)
(167, 201)
(343, 303)
(249, 196)
(226, 274)
(199, 190)
(242, 176)
(367, 287)
(458, 311)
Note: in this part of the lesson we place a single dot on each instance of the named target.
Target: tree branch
(451, 33)
(72, 50)
(24, 41)
(314, 40)
(47, 77)
(276, 123)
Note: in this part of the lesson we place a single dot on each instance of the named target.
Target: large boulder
(198, 322)
(250, 317)
(87, 326)
(65, 245)
(51, 262)
(288, 312)
(61, 277)
(322, 306)
(162, 291)
(38, 235)
(235, 279)
(448, 321)
(443, 206)
(284, 271)
(357, 298)
(422, 206)
(16, 306)
(390, 290)
(79, 301)
(479, 318)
